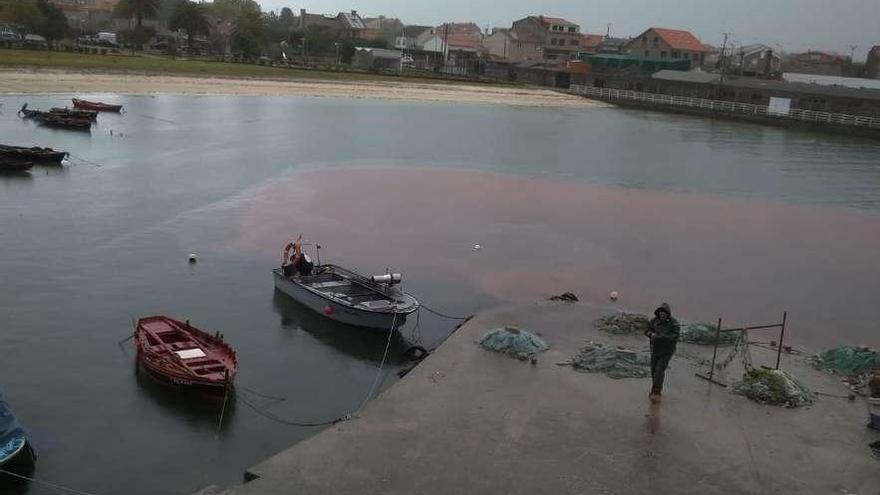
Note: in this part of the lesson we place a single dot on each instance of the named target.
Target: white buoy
(614, 295)
(477, 247)
(193, 258)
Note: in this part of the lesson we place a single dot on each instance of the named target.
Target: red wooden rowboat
(96, 106)
(177, 354)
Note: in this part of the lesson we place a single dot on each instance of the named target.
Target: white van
(106, 37)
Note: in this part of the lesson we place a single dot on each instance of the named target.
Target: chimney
(302, 18)
(768, 64)
(354, 13)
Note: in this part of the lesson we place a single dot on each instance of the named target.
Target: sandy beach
(43, 81)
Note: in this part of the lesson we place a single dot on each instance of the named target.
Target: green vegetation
(192, 18)
(167, 66)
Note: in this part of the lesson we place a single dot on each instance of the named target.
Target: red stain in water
(742, 259)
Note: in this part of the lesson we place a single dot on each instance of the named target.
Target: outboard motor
(388, 278)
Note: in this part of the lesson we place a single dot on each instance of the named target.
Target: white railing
(725, 106)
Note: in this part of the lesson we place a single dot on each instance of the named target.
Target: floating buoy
(328, 310)
(477, 247)
(193, 258)
(614, 295)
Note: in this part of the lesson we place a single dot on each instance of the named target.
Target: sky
(795, 25)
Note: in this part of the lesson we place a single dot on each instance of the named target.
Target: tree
(347, 52)
(319, 40)
(54, 23)
(138, 9)
(27, 16)
(247, 29)
(192, 18)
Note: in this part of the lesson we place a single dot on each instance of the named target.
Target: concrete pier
(471, 421)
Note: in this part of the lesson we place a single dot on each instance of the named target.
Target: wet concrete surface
(470, 421)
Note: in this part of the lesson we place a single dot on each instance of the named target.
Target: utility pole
(852, 52)
(608, 30)
(723, 65)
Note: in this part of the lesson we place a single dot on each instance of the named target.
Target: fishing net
(514, 342)
(773, 387)
(846, 360)
(615, 362)
(704, 334)
(623, 323)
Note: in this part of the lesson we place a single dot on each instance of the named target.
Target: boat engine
(388, 278)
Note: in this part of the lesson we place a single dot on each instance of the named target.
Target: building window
(572, 29)
(574, 42)
(656, 41)
(696, 56)
(663, 54)
(647, 53)
(644, 40)
(676, 54)
(553, 41)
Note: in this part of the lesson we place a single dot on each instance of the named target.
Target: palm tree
(192, 18)
(139, 9)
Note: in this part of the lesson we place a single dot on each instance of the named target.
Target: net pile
(704, 334)
(773, 387)
(514, 342)
(615, 362)
(623, 323)
(847, 360)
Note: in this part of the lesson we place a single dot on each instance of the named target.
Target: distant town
(537, 49)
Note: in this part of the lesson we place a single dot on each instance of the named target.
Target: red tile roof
(462, 41)
(680, 40)
(592, 40)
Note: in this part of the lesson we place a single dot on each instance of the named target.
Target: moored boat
(180, 355)
(348, 297)
(14, 165)
(16, 454)
(35, 154)
(96, 106)
(75, 113)
(53, 119)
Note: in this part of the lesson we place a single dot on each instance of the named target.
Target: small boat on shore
(96, 106)
(34, 154)
(16, 454)
(348, 297)
(179, 355)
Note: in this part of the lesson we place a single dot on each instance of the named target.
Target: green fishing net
(623, 323)
(773, 387)
(704, 334)
(513, 341)
(615, 362)
(846, 360)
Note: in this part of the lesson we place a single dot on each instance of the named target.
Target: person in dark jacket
(664, 331)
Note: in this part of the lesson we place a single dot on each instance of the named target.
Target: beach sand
(42, 81)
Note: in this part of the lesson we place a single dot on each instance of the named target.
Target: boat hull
(335, 311)
(183, 385)
(21, 462)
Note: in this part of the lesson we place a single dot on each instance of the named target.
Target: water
(720, 218)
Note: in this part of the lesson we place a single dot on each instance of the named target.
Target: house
(408, 38)
(561, 38)
(462, 53)
(872, 66)
(506, 44)
(91, 16)
(661, 44)
(352, 24)
(591, 43)
(756, 60)
(461, 29)
(613, 45)
(377, 59)
(313, 21)
(816, 62)
(383, 28)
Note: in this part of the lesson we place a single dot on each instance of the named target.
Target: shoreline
(36, 81)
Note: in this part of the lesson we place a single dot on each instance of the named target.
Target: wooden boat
(75, 113)
(16, 454)
(56, 120)
(34, 154)
(179, 355)
(14, 165)
(347, 297)
(96, 106)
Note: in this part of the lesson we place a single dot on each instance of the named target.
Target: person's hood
(663, 307)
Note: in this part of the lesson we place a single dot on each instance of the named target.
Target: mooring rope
(442, 315)
(46, 483)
